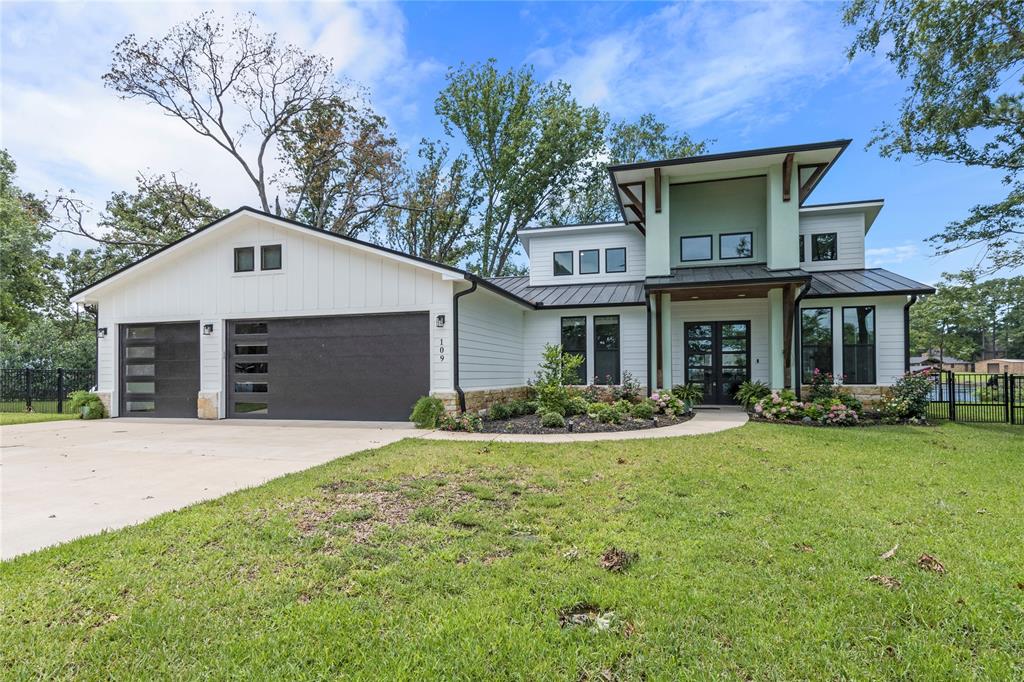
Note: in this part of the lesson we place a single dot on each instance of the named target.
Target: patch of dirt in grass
(886, 581)
(586, 615)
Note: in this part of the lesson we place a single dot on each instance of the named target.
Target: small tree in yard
(557, 369)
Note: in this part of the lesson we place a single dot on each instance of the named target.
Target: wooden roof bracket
(812, 179)
(657, 190)
(787, 175)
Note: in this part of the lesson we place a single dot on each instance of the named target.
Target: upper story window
(736, 245)
(695, 248)
(590, 261)
(824, 246)
(245, 259)
(615, 260)
(270, 257)
(563, 263)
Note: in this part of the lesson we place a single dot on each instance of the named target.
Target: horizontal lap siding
(545, 326)
(849, 229)
(543, 248)
(755, 310)
(490, 342)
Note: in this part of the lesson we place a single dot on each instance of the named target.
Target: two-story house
(718, 272)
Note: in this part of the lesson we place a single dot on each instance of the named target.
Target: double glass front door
(717, 355)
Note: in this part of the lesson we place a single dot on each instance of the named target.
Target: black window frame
(803, 258)
(711, 248)
(847, 378)
(252, 258)
(554, 264)
(608, 268)
(598, 379)
(806, 371)
(263, 256)
(580, 257)
(721, 252)
(561, 339)
(835, 247)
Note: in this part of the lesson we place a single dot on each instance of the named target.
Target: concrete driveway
(62, 480)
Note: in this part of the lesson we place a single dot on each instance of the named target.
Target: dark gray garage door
(159, 369)
(361, 367)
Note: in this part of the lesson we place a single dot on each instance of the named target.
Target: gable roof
(447, 271)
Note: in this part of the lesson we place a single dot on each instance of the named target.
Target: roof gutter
(796, 350)
(906, 333)
(455, 343)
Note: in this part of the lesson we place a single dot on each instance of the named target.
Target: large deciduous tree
(342, 166)
(528, 142)
(240, 88)
(964, 63)
(434, 219)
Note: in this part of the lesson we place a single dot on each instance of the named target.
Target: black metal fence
(41, 390)
(972, 397)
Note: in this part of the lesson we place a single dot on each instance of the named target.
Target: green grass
(9, 418)
(753, 548)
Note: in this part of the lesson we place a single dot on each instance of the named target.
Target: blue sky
(743, 74)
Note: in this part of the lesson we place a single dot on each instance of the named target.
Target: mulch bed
(579, 424)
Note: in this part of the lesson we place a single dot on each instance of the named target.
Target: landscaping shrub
(553, 399)
(552, 420)
(577, 405)
(668, 404)
(500, 411)
(643, 410)
(90, 401)
(606, 413)
(779, 405)
(784, 406)
(689, 394)
(466, 421)
(750, 392)
(629, 390)
(556, 368)
(907, 398)
(823, 386)
(530, 406)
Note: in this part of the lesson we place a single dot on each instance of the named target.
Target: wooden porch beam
(635, 202)
(787, 175)
(657, 190)
(806, 187)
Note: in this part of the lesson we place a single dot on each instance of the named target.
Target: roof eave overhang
(796, 279)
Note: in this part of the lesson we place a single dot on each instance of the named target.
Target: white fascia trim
(569, 229)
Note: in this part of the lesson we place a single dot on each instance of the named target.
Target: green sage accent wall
(719, 207)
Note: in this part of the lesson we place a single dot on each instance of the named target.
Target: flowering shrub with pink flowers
(784, 406)
(667, 404)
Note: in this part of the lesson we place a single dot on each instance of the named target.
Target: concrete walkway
(704, 421)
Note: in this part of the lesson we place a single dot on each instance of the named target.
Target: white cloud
(699, 62)
(891, 255)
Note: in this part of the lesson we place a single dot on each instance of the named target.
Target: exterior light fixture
(207, 329)
(741, 295)
(439, 321)
(695, 297)
(101, 332)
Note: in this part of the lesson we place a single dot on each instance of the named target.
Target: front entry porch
(721, 336)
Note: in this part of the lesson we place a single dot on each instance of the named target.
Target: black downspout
(647, 303)
(906, 333)
(796, 350)
(455, 344)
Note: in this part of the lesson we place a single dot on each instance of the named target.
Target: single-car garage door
(360, 367)
(159, 369)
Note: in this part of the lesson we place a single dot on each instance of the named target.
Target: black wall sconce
(207, 329)
(101, 332)
(439, 321)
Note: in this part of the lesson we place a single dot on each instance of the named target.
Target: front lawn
(457, 560)
(9, 418)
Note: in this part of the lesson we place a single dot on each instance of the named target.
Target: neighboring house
(932, 360)
(1001, 365)
(718, 272)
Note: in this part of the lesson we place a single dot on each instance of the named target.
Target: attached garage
(159, 369)
(356, 367)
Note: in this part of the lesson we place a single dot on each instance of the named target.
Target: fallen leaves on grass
(886, 581)
(571, 554)
(927, 562)
(800, 547)
(885, 556)
(616, 560)
(586, 615)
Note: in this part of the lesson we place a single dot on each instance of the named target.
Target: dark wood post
(28, 389)
(60, 391)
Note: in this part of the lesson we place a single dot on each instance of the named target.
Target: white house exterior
(718, 272)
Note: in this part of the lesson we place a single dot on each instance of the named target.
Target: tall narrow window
(615, 260)
(270, 257)
(802, 257)
(736, 245)
(606, 349)
(574, 340)
(245, 259)
(815, 341)
(859, 344)
(823, 246)
(590, 261)
(563, 263)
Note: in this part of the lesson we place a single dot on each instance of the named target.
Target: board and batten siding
(849, 229)
(542, 249)
(320, 276)
(490, 341)
(755, 310)
(545, 326)
(889, 348)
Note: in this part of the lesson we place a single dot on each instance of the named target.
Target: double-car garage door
(360, 367)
